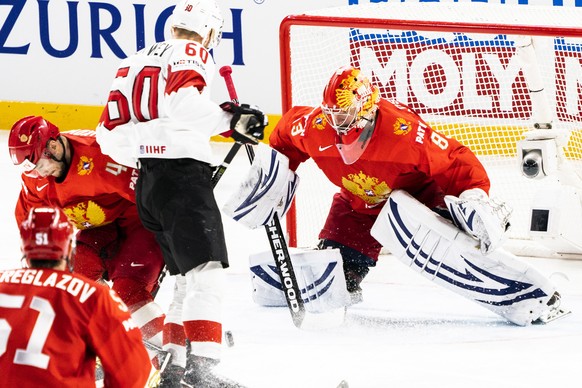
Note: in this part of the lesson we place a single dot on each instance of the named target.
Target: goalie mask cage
(458, 66)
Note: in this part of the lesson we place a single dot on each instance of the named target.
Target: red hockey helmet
(350, 102)
(46, 235)
(348, 98)
(28, 139)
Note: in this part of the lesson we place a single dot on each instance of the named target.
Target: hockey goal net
(463, 68)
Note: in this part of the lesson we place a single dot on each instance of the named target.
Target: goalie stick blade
(321, 321)
(552, 316)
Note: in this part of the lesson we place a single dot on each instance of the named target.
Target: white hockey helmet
(201, 17)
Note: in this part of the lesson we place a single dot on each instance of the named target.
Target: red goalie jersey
(95, 192)
(53, 323)
(403, 153)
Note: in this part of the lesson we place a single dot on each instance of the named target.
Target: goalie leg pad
(268, 190)
(319, 274)
(432, 246)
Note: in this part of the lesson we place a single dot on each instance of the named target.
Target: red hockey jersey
(403, 153)
(95, 191)
(53, 324)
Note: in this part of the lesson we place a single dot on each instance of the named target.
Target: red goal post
(459, 67)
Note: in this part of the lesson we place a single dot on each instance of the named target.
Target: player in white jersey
(159, 114)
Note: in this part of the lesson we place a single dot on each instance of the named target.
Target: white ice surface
(407, 333)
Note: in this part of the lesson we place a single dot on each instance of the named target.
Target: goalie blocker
(267, 190)
(432, 246)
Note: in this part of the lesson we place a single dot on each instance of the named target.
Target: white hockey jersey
(158, 105)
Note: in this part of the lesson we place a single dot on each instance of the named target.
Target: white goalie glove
(484, 219)
(267, 190)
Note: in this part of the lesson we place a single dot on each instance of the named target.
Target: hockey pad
(267, 190)
(319, 274)
(442, 253)
(485, 219)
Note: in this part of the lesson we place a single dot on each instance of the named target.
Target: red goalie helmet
(46, 235)
(348, 98)
(350, 102)
(28, 139)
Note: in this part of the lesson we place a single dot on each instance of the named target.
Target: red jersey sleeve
(454, 167)
(287, 137)
(34, 193)
(118, 343)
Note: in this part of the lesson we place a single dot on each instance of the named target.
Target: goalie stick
(301, 318)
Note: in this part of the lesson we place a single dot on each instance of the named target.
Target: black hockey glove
(248, 122)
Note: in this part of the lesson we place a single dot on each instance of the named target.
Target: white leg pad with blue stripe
(439, 251)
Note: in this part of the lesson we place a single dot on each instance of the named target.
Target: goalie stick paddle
(301, 318)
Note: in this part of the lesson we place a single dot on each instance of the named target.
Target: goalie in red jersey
(368, 147)
(390, 166)
(55, 323)
(69, 171)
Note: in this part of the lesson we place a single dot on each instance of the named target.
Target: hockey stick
(301, 318)
(276, 239)
(219, 172)
(225, 72)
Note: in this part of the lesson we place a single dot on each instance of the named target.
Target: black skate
(353, 280)
(356, 267)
